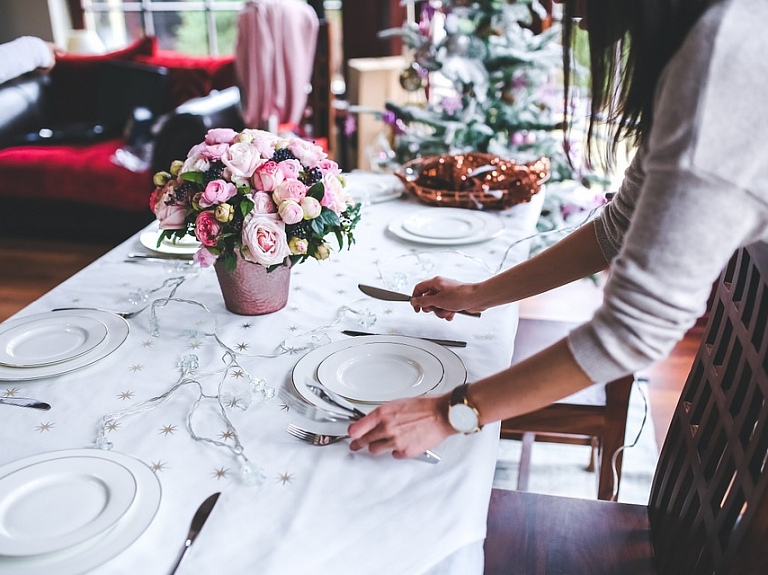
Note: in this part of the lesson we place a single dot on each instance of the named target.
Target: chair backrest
(709, 505)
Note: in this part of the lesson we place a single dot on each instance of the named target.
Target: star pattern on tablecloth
(125, 395)
(146, 343)
(225, 435)
(293, 328)
(194, 345)
(112, 425)
(488, 336)
(246, 325)
(242, 346)
(285, 478)
(158, 466)
(285, 407)
(47, 426)
(11, 392)
(167, 430)
(232, 403)
(238, 373)
(220, 473)
(136, 367)
(388, 311)
(75, 300)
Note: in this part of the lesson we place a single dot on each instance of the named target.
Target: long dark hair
(630, 43)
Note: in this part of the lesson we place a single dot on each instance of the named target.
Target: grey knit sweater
(691, 197)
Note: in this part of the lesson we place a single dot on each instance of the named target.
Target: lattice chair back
(709, 503)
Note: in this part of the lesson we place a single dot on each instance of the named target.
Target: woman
(25, 54)
(691, 94)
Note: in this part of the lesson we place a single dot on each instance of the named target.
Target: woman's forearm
(576, 256)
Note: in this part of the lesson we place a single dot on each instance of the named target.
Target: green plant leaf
(196, 177)
(317, 191)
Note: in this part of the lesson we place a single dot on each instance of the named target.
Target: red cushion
(75, 81)
(81, 174)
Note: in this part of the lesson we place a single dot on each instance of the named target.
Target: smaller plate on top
(185, 246)
(57, 504)
(447, 226)
(378, 372)
(49, 340)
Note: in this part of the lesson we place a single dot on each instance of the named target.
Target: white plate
(378, 372)
(56, 504)
(305, 370)
(117, 332)
(87, 556)
(373, 187)
(447, 226)
(48, 340)
(185, 246)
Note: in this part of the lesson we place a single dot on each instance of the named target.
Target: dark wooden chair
(596, 417)
(708, 508)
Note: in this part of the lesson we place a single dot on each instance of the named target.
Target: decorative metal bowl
(475, 180)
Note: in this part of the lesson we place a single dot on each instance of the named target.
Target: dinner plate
(373, 187)
(305, 370)
(185, 246)
(56, 504)
(380, 371)
(47, 340)
(447, 226)
(88, 555)
(117, 332)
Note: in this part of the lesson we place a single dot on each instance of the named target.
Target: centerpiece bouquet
(256, 196)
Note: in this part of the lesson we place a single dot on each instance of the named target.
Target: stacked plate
(185, 246)
(371, 370)
(67, 512)
(53, 343)
(447, 226)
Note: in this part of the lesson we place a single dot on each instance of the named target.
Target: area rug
(558, 469)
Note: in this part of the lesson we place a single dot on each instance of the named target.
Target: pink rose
(263, 141)
(215, 151)
(311, 207)
(207, 228)
(204, 258)
(242, 159)
(291, 212)
(265, 238)
(267, 176)
(306, 152)
(196, 164)
(216, 192)
(262, 203)
(291, 168)
(289, 189)
(335, 197)
(170, 214)
(220, 136)
(329, 167)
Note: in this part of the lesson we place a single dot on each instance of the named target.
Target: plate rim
(396, 228)
(470, 215)
(148, 239)
(32, 319)
(69, 539)
(380, 401)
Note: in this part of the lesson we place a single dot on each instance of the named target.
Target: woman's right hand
(444, 297)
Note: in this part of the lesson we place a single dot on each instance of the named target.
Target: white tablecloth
(320, 510)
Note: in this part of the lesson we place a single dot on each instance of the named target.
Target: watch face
(463, 418)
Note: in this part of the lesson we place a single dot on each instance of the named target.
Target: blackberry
(283, 154)
(311, 176)
(214, 172)
(300, 230)
(184, 191)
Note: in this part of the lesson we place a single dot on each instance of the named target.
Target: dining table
(185, 399)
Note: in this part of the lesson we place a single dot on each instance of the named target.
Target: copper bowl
(475, 180)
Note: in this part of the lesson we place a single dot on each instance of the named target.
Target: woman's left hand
(406, 427)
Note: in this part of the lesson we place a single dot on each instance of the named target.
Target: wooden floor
(30, 268)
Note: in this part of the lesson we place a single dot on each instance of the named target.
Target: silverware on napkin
(445, 342)
(25, 402)
(335, 399)
(201, 515)
(388, 295)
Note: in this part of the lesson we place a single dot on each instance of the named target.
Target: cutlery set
(388, 295)
(25, 402)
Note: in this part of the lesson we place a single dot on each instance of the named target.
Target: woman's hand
(406, 427)
(444, 297)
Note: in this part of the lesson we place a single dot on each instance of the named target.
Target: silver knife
(445, 342)
(201, 515)
(25, 402)
(335, 399)
(387, 295)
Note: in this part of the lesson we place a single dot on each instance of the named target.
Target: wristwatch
(463, 416)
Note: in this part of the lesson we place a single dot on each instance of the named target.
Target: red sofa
(69, 185)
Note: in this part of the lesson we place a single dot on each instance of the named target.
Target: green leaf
(317, 191)
(246, 206)
(196, 177)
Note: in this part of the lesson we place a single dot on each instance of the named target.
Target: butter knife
(25, 402)
(388, 295)
(201, 515)
(445, 342)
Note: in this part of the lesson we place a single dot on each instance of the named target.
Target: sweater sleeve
(23, 55)
(686, 218)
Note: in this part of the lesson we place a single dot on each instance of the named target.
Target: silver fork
(309, 411)
(123, 314)
(322, 439)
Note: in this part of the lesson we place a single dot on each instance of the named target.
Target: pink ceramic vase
(250, 290)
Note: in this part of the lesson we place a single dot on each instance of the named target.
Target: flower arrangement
(255, 195)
